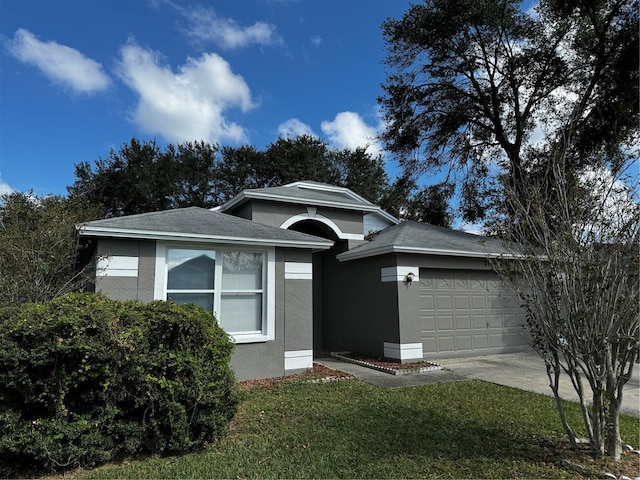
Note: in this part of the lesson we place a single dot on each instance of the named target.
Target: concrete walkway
(523, 370)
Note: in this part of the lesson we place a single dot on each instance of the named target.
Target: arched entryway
(321, 229)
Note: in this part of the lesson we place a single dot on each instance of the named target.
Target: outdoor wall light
(409, 277)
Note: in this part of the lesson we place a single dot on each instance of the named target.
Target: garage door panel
(513, 339)
(427, 302)
(480, 342)
(429, 344)
(446, 344)
(462, 322)
(444, 322)
(465, 311)
(443, 302)
(479, 321)
(496, 340)
(478, 302)
(461, 302)
(464, 342)
(428, 323)
(511, 320)
(495, 321)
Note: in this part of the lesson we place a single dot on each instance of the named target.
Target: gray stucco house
(310, 267)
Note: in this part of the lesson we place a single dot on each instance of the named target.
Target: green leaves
(87, 379)
(38, 247)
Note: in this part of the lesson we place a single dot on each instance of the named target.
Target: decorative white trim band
(398, 274)
(298, 359)
(298, 271)
(117, 266)
(403, 351)
(313, 215)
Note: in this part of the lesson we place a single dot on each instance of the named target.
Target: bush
(86, 380)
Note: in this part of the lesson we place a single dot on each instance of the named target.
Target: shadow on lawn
(390, 429)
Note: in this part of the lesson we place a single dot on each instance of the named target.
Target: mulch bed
(319, 373)
(387, 365)
(388, 362)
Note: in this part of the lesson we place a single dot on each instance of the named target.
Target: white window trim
(268, 290)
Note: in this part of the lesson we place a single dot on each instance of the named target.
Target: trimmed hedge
(86, 380)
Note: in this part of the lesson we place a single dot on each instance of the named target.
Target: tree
(431, 205)
(141, 177)
(524, 104)
(475, 82)
(361, 172)
(578, 279)
(39, 248)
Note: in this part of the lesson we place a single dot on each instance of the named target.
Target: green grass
(352, 430)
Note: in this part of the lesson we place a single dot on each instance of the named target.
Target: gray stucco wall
(360, 311)
(276, 213)
(264, 359)
(139, 287)
(298, 304)
(293, 305)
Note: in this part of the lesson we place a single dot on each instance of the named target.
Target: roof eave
(110, 232)
(373, 252)
(252, 195)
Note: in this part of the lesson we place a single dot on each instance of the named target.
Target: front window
(191, 277)
(241, 292)
(229, 283)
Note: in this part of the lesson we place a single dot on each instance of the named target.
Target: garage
(467, 312)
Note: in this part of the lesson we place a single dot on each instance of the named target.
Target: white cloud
(5, 188)
(205, 25)
(316, 41)
(60, 64)
(348, 130)
(189, 104)
(294, 128)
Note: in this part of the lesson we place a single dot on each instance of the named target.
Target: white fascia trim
(298, 271)
(195, 237)
(298, 359)
(329, 188)
(322, 219)
(346, 256)
(398, 274)
(403, 351)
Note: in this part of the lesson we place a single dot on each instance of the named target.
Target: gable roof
(312, 194)
(425, 239)
(199, 224)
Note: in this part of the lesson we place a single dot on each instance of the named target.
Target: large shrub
(86, 380)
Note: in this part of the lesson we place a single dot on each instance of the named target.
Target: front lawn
(348, 429)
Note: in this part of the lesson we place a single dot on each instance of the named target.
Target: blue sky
(79, 77)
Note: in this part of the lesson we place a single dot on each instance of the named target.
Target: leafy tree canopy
(142, 177)
(38, 247)
(480, 87)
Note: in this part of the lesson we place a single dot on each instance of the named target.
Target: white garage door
(467, 312)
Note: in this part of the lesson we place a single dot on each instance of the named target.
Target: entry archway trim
(324, 220)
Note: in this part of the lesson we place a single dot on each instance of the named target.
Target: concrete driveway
(523, 370)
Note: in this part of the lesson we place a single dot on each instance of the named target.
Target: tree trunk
(553, 372)
(614, 442)
(598, 419)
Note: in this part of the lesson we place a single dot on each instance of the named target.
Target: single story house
(309, 267)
